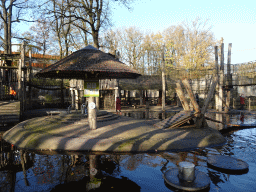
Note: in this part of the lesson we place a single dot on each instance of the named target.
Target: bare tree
(11, 11)
(190, 45)
(132, 39)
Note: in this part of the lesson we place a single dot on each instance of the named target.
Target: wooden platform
(176, 120)
(9, 112)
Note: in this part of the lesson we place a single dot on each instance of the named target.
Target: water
(119, 172)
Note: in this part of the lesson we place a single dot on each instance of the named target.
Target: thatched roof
(89, 63)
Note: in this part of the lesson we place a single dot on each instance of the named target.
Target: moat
(117, 172)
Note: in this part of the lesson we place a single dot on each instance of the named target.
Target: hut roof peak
(89, 47)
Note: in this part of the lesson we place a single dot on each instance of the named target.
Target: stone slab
(227, 164)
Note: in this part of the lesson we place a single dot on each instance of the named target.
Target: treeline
(63, 26)
(188, 47)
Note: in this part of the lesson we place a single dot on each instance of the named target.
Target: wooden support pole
(163, 85)
(23, 162)
(221, 80)
(229, 78)
(182, 98)
(191, 95)
(141, 95)
(218, 84)
(209, 96)
(29, 79)
(92, 115)
(227, 106)
(147, 110)
(249, 104)
(21, 80)
(61, 94)
(116, 91)
(76, 99)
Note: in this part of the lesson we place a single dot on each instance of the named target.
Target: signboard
(91, 89)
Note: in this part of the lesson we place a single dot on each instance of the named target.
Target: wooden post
(209, 96)
(97, 103)
(182, 98)
(23, 162)
(200, 121)
(227, 106)
(221, 80)
(29, 79)
(233, 103)
(61, 94)
(92, 115)
(147, 110)
(21, 80)
(76, 98)
(217, 72)
(116, 90)
(191, 95)
(163, 85)
(141, 99)
(229, 78)
(72, 98)
(249, 104)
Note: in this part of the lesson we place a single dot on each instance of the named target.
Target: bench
(137, 106)
(53, 113)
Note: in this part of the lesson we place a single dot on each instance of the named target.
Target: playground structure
(17, 69)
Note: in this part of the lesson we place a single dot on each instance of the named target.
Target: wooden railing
(36, 55)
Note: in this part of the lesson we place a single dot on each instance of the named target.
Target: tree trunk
(9, 47)
(92, 116)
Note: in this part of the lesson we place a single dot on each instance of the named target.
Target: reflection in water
(27, 171)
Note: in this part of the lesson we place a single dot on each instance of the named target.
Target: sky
(234, 20)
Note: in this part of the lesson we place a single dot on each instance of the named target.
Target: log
(92, 116)
(191, 95)
(182, 98)
(209, 96)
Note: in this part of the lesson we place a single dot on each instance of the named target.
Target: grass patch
(129, 142)
(40, 124)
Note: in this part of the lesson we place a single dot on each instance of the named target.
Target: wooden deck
(9, 112)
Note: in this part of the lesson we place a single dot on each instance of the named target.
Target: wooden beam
(217, 73)
(229, 78)
(8, 67)
(209, 96)
(182, 98)
(191, 95)
(163, 84)
(200, 121)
